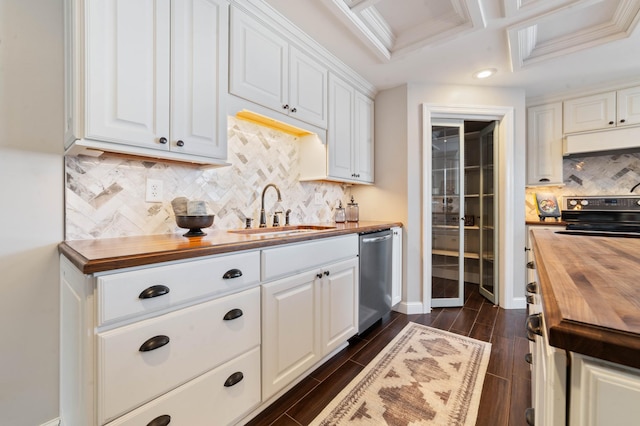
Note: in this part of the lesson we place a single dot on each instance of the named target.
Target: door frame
(506, 179)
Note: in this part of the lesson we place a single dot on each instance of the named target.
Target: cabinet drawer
(206, 400)
(127, 294)
(295, 258)
(179, 346)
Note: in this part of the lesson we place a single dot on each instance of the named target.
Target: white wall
(31, 172)
(409, 142)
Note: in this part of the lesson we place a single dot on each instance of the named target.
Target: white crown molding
(525, 49)
(364, 20)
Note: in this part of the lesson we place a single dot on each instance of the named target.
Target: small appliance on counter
(353, 215)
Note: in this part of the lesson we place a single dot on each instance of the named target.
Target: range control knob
(573, 202)
(638, 202)
(584, 202)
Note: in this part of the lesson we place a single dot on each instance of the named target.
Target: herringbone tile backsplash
(612, 174)
(105, 197)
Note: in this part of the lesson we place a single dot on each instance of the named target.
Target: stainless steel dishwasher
(375, 277)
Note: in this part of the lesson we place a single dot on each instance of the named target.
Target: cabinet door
(363, 138)
(258, 59)
(590, 113)
(199, 76)
(603, 393)
(340, 128)
(290, 330)
(629, 106)
(339, 304)
(127, 71)
(544, 144)
(307, 89)
(396, 267)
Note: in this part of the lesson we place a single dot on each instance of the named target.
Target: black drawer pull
(534, 324)
(531, 265)
(532, 287)
(234, 379)
(233, 314)
(154, 343)
(531, 336)
(528, 358)
(154, 291)
(529, 416)
(232, 273)
(163, 420)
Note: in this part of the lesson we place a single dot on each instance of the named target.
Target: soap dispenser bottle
(352, 211)
(340, 215)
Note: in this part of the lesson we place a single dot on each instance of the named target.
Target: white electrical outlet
(318, 200)
(154, 191)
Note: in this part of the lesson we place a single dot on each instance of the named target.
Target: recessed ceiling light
(485, 73)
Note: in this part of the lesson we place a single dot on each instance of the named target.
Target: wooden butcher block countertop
(590, 290)
(100, 255)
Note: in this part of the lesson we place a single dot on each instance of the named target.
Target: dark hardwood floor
(507, 386)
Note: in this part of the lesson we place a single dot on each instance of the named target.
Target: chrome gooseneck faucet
(263, 215)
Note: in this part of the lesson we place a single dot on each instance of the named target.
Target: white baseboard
(54, 422)
(409, 308)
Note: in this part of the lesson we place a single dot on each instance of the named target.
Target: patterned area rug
(424, 376)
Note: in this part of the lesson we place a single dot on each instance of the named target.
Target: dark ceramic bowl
(194, 224)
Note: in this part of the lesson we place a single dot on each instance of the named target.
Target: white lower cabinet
(213, 398)
(152, 360)
(603, 393)
(307, 315)
(141, 361)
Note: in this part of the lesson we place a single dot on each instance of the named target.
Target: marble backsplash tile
(612, 174)
(105, 197)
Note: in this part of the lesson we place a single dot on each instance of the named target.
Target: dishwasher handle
(376, 239)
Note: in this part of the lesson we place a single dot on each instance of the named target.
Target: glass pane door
(488, 236)
(447, 261)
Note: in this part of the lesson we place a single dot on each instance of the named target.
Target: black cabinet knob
(531, 265)
(611, 123)
(180, 143)
(623, 120)
(232, 273)
(529, 416)
(154, 291)
(162, 140)
(234, 379)
(326, 273)
(294, 109)
(534, 324)
(532, 287)
(318, 276)
(285, 106)
(154, 343)
(163, 420)
(233, 314)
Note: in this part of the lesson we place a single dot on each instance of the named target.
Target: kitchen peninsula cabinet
(544, 144)
(147, 78)
(589, 322)
(266, 69)
(602, 111)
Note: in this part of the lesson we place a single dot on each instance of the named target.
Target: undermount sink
(282, 231)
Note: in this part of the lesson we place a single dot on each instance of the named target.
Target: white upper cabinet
(350, 133)
(153, 78)
(544, 144)
(602, 111)
(629, 106)
(267, 70)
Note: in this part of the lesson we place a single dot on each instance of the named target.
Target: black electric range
(615, 215)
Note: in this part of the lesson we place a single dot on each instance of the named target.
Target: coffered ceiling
(541, 46)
